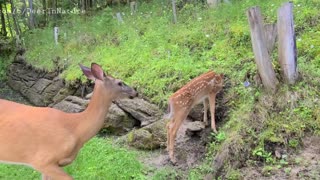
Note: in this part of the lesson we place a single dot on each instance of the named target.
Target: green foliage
(264, 155)
(221, 136)
(98, 159)
(266, 171)
(5, 61)
(233, 174)
(165, 173)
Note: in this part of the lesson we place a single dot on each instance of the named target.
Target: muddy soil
(305, 164)
(189, 151)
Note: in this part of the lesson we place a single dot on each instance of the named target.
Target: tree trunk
(55, 7)
(44, 6)
(23, 8)
(260, 50)
(287, 43)
(3, 21)
(174, 11)
(83, 5)
(31, 15)
(14, 18)
(8, 20)
(93, 4)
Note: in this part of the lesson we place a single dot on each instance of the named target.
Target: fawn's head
(114, 87)
(218, 82)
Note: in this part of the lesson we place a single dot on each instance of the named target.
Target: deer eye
(120, 83)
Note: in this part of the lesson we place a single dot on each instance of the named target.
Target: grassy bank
(158, 57)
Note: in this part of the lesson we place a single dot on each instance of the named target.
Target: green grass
(158, 57)
(98, 159)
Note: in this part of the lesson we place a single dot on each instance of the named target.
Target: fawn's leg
(178, 118)
(205, 111)
(212, 100)
(169, 124)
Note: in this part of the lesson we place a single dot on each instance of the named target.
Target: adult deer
(48, 139)
(200, 89)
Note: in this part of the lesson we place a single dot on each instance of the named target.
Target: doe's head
(114, 87)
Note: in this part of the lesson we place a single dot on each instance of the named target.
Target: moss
(143, 139)
(233, 175)
(130, 137)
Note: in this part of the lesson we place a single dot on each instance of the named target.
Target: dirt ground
(305, 164)
(189, 151)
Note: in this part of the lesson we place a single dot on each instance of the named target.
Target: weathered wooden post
(119, 17)
(133, 7)
(212, 3)
(260, 50)
(287, 43)
(271, 33)
(56, 34)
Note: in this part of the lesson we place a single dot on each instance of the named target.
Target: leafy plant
(264, 155)
(220, 136)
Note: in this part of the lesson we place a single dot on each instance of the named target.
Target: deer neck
(94, 115)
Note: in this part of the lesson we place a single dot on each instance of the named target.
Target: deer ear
(97, 71)
(218, 78)
(87, 72)
(222, 76)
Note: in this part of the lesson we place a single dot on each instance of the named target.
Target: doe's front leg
(54, 172)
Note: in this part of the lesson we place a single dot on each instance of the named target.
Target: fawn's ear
(222, 76)
(218, 78)
(97, 71)
(87, 72)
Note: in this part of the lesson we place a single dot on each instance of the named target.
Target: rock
(149, 137)
(141, 110)
(196, 112)
(41, 84)
(72, 104)
(142, 139)
(38, 86)
(62, 94)
(194, 128)
(116, 122)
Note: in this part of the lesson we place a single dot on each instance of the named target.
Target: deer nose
(135, 94)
